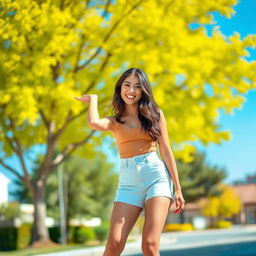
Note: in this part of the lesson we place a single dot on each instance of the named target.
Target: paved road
(237, 249)
(237, 241)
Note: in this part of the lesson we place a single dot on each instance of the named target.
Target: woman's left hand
(179, 201)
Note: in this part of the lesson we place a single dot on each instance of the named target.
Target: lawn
(33, 251)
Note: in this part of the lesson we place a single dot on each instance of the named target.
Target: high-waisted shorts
(142, 177)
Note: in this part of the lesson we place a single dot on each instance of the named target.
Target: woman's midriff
(134, 148)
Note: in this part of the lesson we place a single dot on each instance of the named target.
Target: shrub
(8, 238)
(71, 233)
(178, 227)
(102, 231)
(24, 235)
(84, 234)
(186, 227)
(172, 227)
(223, 224)
(55, 233)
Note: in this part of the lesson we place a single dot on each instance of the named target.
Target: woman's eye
(129, 86)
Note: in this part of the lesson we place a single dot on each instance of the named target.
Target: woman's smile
(130, 96)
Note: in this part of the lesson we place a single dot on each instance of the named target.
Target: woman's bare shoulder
(113, 123)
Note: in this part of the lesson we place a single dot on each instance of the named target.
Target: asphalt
(236, 241)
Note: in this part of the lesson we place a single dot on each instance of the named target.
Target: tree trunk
(40, 232)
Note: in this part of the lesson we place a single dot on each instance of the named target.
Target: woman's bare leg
(156, 211)
(123, 218)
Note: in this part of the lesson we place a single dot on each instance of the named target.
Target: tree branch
(101, 69)
(79, 53)
(106, 9)
(46, 122)
(105, 39)
(87, 3)
(17, 149)
(68, 150)
(70, 118)
(55, 71)
(42, 173)
(10, 169)
(11, 143)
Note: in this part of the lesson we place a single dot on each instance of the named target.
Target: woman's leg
(123, 218)
(156, 211)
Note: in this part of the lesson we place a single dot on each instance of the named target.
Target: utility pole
(62, 206)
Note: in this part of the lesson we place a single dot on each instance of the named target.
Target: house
(192, 212)
(4, 181)
(247, 194)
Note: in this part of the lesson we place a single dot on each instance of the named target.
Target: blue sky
(238, 155)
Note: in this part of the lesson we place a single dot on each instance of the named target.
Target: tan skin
(124, 215)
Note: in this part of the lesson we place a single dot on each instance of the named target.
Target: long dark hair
(148, 110)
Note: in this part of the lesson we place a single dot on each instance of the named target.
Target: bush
(8, 239)
(102, 231)
(71, 234)
(55, 233)
(84, 234)
(223, 224)
(24, 235)
(172, 227)
(178, 227)
(186, 227)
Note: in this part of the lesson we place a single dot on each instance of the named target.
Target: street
(236, 241)
(237, 249)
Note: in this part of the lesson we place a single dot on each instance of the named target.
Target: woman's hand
(87, 98)
(179, 201)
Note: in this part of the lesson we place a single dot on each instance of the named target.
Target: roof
(246, 193)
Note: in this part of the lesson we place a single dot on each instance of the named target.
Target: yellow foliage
(223, 224)
(178, 227)
(230, 202)
(226, 205)
(211, 207)
(54, 52)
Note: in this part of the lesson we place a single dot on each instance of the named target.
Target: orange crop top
(132, 141)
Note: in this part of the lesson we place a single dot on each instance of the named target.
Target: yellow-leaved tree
(54, 50)
(224, 206)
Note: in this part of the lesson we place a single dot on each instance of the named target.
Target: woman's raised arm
(93, 119)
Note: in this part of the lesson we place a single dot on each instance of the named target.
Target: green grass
(33, 251)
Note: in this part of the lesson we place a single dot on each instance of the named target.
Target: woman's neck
(131, 110)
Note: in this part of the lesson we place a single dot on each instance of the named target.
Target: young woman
(145, 181)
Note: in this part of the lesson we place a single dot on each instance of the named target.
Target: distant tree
(89, 187)
(199, 179)
(223, 206)
(10, 210)
(230, 202)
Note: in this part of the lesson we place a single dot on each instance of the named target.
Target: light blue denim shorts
(142, 177)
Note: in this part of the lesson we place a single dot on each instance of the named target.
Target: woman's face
(131, 89)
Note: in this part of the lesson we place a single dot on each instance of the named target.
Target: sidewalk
(93, 251)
